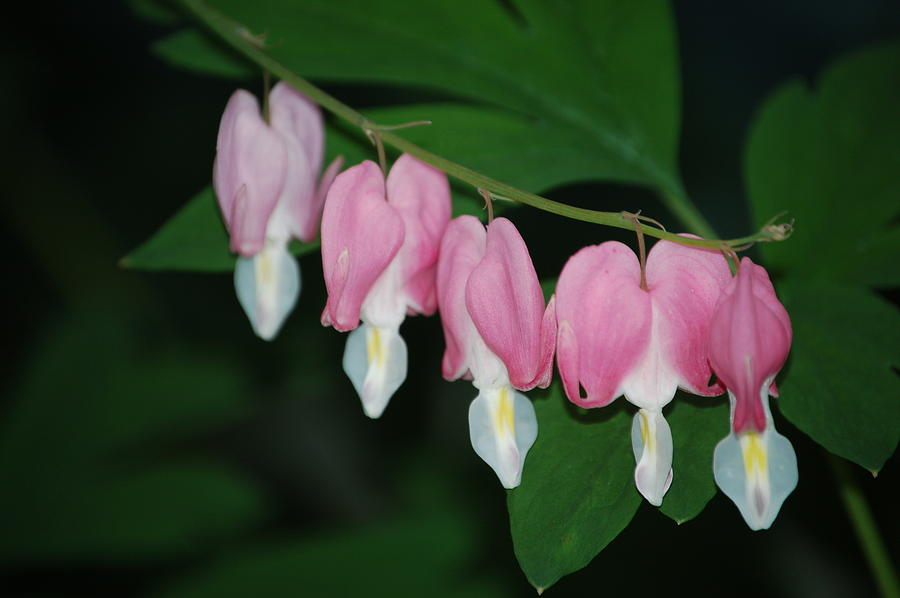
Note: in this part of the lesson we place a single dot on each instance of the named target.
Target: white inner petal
(267, 286)
(652, 383)
(278, 229)
(502, 428)
(756, 470)
(385, 305)
(375, 360)
(488, 370)
(651, 441)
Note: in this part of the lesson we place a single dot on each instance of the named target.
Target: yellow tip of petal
(504, 417)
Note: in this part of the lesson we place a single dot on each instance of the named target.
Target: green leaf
(193, 239)
(207, 55)
(577, 490)
(698, 424)
(600, 75)
(484, 136)
(839, 387)
(829, 157)
(877, 256)
(81, 454)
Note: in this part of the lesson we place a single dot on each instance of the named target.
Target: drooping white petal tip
(757, 471)
(375, 360)
(502, 428)
(267, 286)
(651, 441)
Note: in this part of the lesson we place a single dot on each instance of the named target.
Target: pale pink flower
(380, 242)
(499, 334)
(617, 338)
(265, 178)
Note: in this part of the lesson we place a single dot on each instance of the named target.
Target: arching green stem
(242, 40)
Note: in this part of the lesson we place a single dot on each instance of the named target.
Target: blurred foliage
(83, 452)
(424, 551)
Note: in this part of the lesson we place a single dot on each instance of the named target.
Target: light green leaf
(577, 490)
(829, 157)
(698, 424)
(839, 387)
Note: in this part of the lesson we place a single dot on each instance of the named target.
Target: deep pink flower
(750, 337)
(498, 333)
(617, 338)
(265, 178)
(380, 242)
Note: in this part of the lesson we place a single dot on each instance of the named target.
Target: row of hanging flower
(617, 326)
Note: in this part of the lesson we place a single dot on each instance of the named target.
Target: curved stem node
(414, 123)
(374, 136)
(636, 218)
(488, 202)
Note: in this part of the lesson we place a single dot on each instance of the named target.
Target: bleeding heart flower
(750, 337)
(265, 180)
(618, 337)
(498, 334)
(380, 244)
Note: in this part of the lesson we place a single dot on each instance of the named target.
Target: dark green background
(150, 444)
